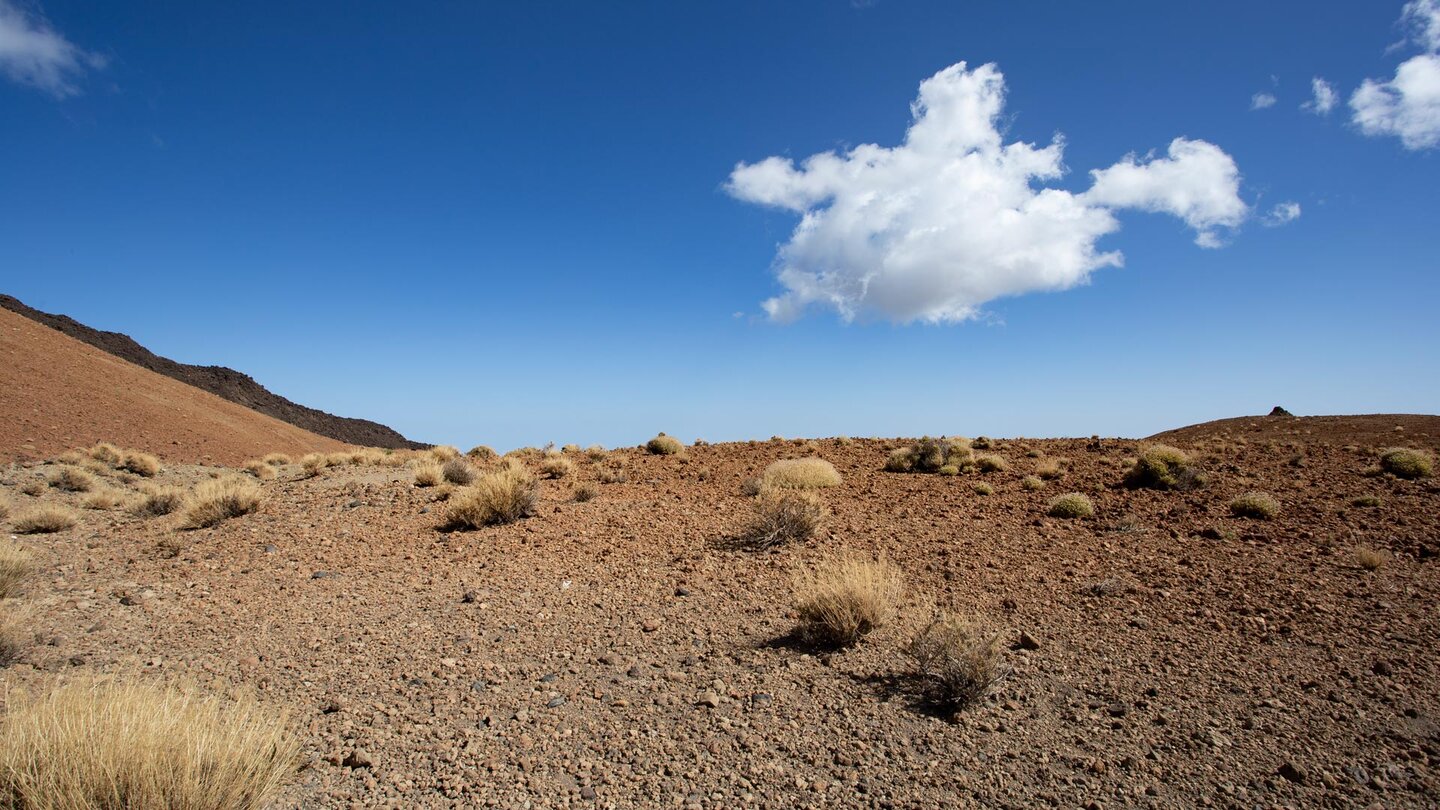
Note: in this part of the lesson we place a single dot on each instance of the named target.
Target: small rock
(650, 625)
(271, 548)
(587, 792)
(331, 706)
(609, 660)
(352, 504)
(1381, 668)
(682, 591)
(1117, 710)
(1295, 773)
(470, 598)
(556, 702)
(478, 686)
(761, 699)
(1140, 623)
(1027, 642)
(320, 575)
(549, 678)
(359, 758)
(708, 698)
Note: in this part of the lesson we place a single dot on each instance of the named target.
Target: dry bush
(458, 471)
(444, 452)
(1365, 501)
(613, 475)
(570, 448)
(948, 470)
(277, 459)
(585, 492)
(930, 455)
(801, 473)
(595, 452)
(140, 463)
(1050, 469)
(482, 452)
(556, 467)
(104, 499)
(106, 453)
(337, 459)
(43, 519)
(957, 659)
(1403, 462)
(1257, 505)
(16, 563)
(4, 509)
(503, 496)
(843, 598)
(70, 457)
(34, 486)
(1070, 505)
(72, 479)
(663, 445)
(1370, 559)
(1031, 483)
(428, 475)
(218, 500)
(107, 744)
(988, 463)
(312, 464)
(13, 635)
(983, 488)
(1163, 467)
(258, 468)
(157, 501)
(982, 443)
(783, 516)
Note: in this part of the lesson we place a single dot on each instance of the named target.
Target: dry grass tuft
(34, 486)
(585, 492)
(783, 516)
(157, 501)
(931, 455)
(140, 463)
(843, 598)
(1257, 505)
(1031, 483)
(43, 519)
(72, 479)
(444, 452)
(556, 467)
(503, 496)
(260, 469)
(1162, 467)
(613, 475)
(1403, 462)
(1365, 501)
(16, 563)
(106, 453)
(4, 509)
(663, 445)
(595, 452)
(109, 744)
(312, 464)
(983, 488)
(104, 499)
(801, 473)
(12, 640)
(1050, 469)
(1370, 559)
(218, 500)
(277, 459)
(428, 475)
(957, 659)
(988, 463)
(481, 452)
(1071, 505)
(458, 471)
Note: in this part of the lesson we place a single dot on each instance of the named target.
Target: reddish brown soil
(57, 393)
(1374, 429)
(1183, 657)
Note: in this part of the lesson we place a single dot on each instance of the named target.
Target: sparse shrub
(1050, 469)
(1163, 467)
(982, 488)
(595, 452)
(585, 492)
(957, 660)
(428, 475)
(458, 471)
(34, 486)
(751, 487)
(16, 563)
(982, 443)
(71, 457)
(43, 519)
(481, 452)
(12, 642)
(140, 463)
(1257, 505)
(930, 455)
(784, 516)
(106, 453)
(1069, 506)
(556, 467)
(218, 500)
(613, 475)
(841, 599)
(801, 473)
(72, 479)
(1031, 483)
(157, 501)
(337, 459)
(948, 470)
(570, 448)
(392, 458)
(1409, 464)
(4, 509)
(277, 459)
(103, 499)
(663, 445)
(1365, 501)
(444, 452)
(312, 464)
(94, 744)
(503, 496)
(1370, 559)
(988, 463)
(900, 460)
(260, 469)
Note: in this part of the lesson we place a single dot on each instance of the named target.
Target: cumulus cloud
(1322, 97)
(1262, 101)
(1282, 214)
(32, 53)
(954, 217)
(1407, 106)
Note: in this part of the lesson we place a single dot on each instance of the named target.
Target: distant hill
(58, 393)
(225, 383)
(1373, 430)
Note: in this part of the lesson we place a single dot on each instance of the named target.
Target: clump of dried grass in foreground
(585, 492)
(957, 660)
(1162, 467)
(841, 599)
(458, 471)
(1409, 464)
(503, 496)
(109, 744)
(219, 499)
(106, 452)
(783, 516)
(663, 445)
(72, 479)
(140, 463)
(1256, 505)
(800, 473)
(428, 475)
(1370, 559)
(43, 519)
(312, 464)
(260, 469)
(556, 466)
(1071, 505)
(157, 501)
(16, 563)
(104, 499)
(276, 459)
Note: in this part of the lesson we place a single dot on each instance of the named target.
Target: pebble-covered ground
(611, 653)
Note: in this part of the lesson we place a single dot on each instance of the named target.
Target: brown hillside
(57, 393)
(226, 383)
(1380, 429)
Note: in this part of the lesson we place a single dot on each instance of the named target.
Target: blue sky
(520, 223)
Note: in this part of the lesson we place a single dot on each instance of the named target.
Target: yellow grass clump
(1257, 505)
(72, 479)
(841, 599)
(1050, 469)
(106, 453)
(931, 455)
(444, 452)
(313, 463)
(16, 563)
(800, 473)
(106, 744)
(1369, 558)
(428, 475)
(458, 471)
(1032, 483)
(503, 496)
(663, 445)
(957, 659)
(43, 519)
(783, 516)
(156, 501)
(1406, 463)
(140, 463)
(556, 466)
(1162, 467)
(1070, 505)
(104, 499)
(260, 469)
(989, 462)
(595, 452)
(277, 459)
(481, 452)
(218, 500)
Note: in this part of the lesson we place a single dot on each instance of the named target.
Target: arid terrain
(615, 652)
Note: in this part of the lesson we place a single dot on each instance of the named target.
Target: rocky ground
(609, 654)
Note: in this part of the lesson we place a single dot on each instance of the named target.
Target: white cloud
(952, 218)
(1262, 101)
(1423, 18)
(1323, 97)
(33, 53)
(1407, 106)
(1282, 214)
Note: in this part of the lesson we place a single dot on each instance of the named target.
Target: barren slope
(1375, 429)
(57, 393)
